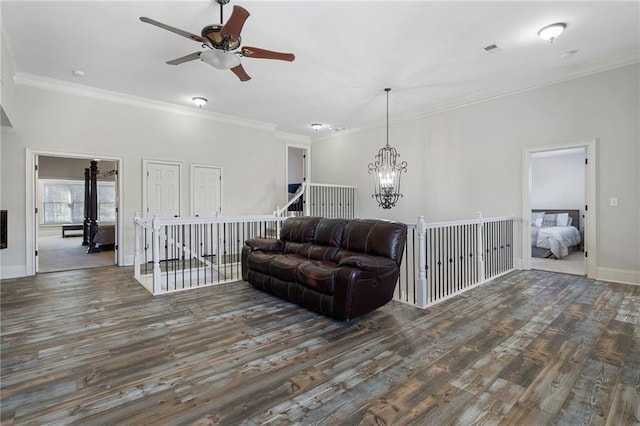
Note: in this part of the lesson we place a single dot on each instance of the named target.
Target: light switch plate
(613, 201)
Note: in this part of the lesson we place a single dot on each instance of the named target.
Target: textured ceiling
(430, 53)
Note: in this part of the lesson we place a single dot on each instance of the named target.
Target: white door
(162, 184)
(206, 190)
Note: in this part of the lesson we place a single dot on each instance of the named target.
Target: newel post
(155, 248)
(421, 285)
(480, 248)
(136, 245)
(306, 193)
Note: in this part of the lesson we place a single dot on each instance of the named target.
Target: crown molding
(292, 137)
(39, 82)
(617, 61)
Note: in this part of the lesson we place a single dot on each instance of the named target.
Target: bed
(98, 236)
(554, 233)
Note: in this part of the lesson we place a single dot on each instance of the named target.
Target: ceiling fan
(221, 41)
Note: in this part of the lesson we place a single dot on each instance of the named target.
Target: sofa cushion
(301, 249)
(260, 261)
(377, 264)
(329, 232)
(375, 237)
(318, 276)
(284, 266)
(322, 253)
(299, 229)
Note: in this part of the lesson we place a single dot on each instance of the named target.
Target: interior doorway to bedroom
(297, 169)
(560, 187)
(70, 193)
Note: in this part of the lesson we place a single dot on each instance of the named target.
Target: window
(62, 201)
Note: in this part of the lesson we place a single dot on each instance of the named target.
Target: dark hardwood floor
(93, 347)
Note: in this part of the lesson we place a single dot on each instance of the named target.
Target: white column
(421, 285)
(306, 194)
(481, 275)
(155, 243)
(136, 245)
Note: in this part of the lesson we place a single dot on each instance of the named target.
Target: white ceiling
(430, 53)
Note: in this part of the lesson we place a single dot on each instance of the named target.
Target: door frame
(31, 201)
(590, 221)
(145, 171)
(192, 195)
(307, 165)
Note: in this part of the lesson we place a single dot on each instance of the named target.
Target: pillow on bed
(549, 220)
(536, 218)
(562, 219)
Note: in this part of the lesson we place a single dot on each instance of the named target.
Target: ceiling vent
(492, 48)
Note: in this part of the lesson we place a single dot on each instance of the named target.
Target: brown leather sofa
(338, 267)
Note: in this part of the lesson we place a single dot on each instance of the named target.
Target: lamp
(387, 172)
(550, 32)
(199, 101)
(220, 59)
(316, 126)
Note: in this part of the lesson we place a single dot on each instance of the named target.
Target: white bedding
(558, 239)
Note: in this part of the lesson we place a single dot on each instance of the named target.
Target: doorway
(559, 178)
(297, 168)
(56, 238)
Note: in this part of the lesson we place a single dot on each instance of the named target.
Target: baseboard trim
(618, 275)
(9, 272)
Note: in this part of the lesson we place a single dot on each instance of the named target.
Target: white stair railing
(175, 254)
(444, 259)
(324, 200)
(440, 260)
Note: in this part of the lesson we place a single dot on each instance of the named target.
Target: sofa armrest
(265, 244)
(377, 264)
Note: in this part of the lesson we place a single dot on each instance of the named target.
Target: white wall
(252, 155)
(558, 182)
(7, 70)
(469, 159)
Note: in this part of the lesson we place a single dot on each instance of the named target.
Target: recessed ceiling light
(551, 32)
(199, 101)
(78, 73)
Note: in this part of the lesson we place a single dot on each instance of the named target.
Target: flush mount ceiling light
(316, 126)
(551, 32)
(199, 101)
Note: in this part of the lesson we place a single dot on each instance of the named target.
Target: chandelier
(386, 171)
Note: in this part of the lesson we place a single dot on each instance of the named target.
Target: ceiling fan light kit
(221, 40)
(220, 59)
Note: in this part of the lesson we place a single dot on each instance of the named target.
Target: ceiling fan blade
(254, 52)
(234, 25)
(241, 73)
(183, 33)
(190, 57)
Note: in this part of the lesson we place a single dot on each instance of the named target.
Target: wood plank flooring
(533, 347)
